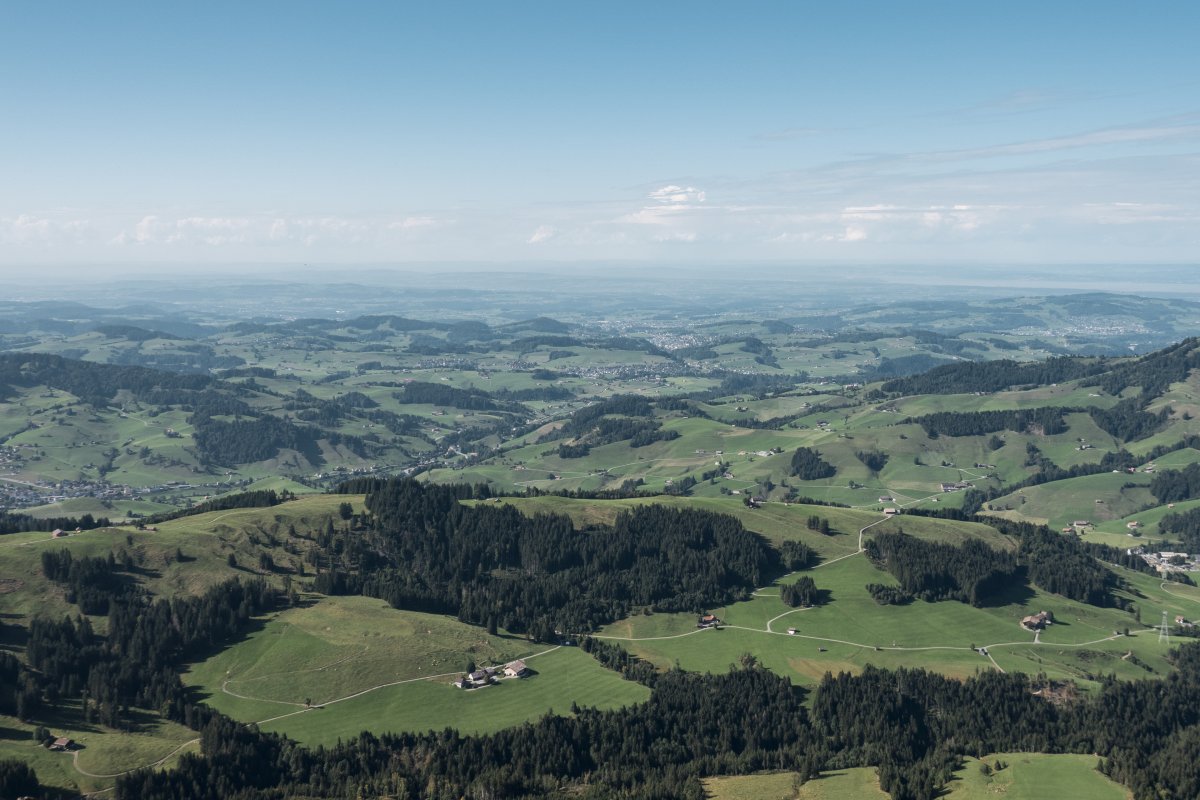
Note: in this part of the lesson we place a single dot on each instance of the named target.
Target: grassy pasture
(1027, 776)
(205, 540)
(1059, 503)
(564, 676)
(103, 752)
(938, 636)
(845, 784)
(341, 645)
(1034, 776)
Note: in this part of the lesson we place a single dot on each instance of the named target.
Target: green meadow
(346, 664)
(852, 630)
(1024, 776)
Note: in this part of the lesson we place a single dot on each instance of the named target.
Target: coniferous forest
(422, 549)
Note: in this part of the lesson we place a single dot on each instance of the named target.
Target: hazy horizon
(425, 137)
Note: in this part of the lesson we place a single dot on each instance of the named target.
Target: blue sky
(151, 133)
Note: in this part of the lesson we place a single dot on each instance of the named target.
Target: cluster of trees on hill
(970, 573)
(1154, 372)
(1063, 565)
(93, 583)
(1071, 555)
(12, 522)
(441, 395)
(796, 555)
(529, 343)
(889, 595)
(819, 524)
(628, 405)
(257, 439)
(1175, 485)
(966, 377)
(874, 460)
(698, 352)
(1128, 420)
(136, 663)
(493, 566)
(639, 432)
(803, 592)
(546, 394)
(593, 427)
(911, 724)
(97, 384)
(1047, 420)
(899, 367)
(1186, 526)
(807, 465)
(328, 413)
(757, 385)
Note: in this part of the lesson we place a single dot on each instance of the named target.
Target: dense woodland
(1128, 420)
(802, 593)
(136, 664)
(971, 573)
(489, 564)
(1175, 485)
(807, 465)
(1186, 526)
(966, 377)
(1048, 421)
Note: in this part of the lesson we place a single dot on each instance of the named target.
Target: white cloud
(678, 194)
(35, 229)
(542, 234)
(415, 222)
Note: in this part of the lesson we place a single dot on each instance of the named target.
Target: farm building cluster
(1038, 621)
(489, 675)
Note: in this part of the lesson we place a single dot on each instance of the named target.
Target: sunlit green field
(851, 630)
(103, 753)
(1025, 776)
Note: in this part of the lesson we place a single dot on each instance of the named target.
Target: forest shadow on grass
(1017, 594)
